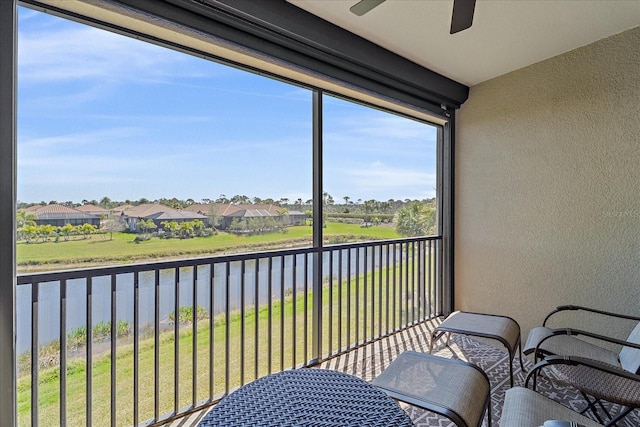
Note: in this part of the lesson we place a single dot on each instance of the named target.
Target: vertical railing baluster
(430, 282)
(294, 303)
(256, 317)
(427, 295)
(270, 315)
(365, 284)
(176, 340)
(439, 281)
(243, 325)
(373, 292)
(349, 297)
(114, 346)
(194, 339)
(340, 302)
(211, 282)
(63, 353)
(306, 309)
(413, 281)
(357, 307)
(380, 285)
(35, 353)
(408, 259)
(400, 285)
(156, 344)
(282, 312)
(423, 279)
(136, 348)
(420, 302)
(89, 353)
(388, 287)
(330, 320)
(227, 331)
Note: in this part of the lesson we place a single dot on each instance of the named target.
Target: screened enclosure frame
(389, 83)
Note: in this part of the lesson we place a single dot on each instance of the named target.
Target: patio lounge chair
(543, 340)
(526, 408)
(593, 369)
(592, 378)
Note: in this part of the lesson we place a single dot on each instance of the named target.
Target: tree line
(349, 205)
(411, 217)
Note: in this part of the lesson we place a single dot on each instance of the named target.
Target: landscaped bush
(102, 330)
(185, 314)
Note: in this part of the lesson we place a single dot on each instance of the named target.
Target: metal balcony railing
(147, 343)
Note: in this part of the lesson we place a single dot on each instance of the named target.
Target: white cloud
(76, 52)
(378, 178)
(93, 138)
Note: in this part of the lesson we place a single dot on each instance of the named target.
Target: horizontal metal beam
(283, 23)
(293, 37)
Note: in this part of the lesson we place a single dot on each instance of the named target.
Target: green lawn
(99, 249)
(283, 344)
(288, 348)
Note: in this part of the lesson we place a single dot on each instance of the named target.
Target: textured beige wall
(548, 186)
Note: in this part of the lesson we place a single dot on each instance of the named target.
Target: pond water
(76, 308)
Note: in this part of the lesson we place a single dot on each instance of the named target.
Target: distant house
(156, 212)
(224, 214)
(94, 210)
(60, 215)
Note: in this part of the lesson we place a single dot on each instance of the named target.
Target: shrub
(185, 314)
(77, 337)
(102, 330)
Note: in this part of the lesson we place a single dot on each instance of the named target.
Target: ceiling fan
(461, 18)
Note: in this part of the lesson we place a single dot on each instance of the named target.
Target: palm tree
(198, 227)
(29, 232)
(170, 227)
(186, 229)
(87, 229)
(284, 216)
(416, 219)
(23, 218)
(105, 202)
(66, 230)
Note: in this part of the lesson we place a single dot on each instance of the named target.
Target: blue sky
(100, 114)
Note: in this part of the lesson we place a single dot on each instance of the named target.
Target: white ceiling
(506, 34)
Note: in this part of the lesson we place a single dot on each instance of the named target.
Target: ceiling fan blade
(364, 6)
(462, 16)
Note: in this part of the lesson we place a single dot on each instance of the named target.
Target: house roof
(239, 211)
(57, 211)
(252, 213)
(175, 215)
(223, 209)
(121, 208)
(160, 212)
(93, 209)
